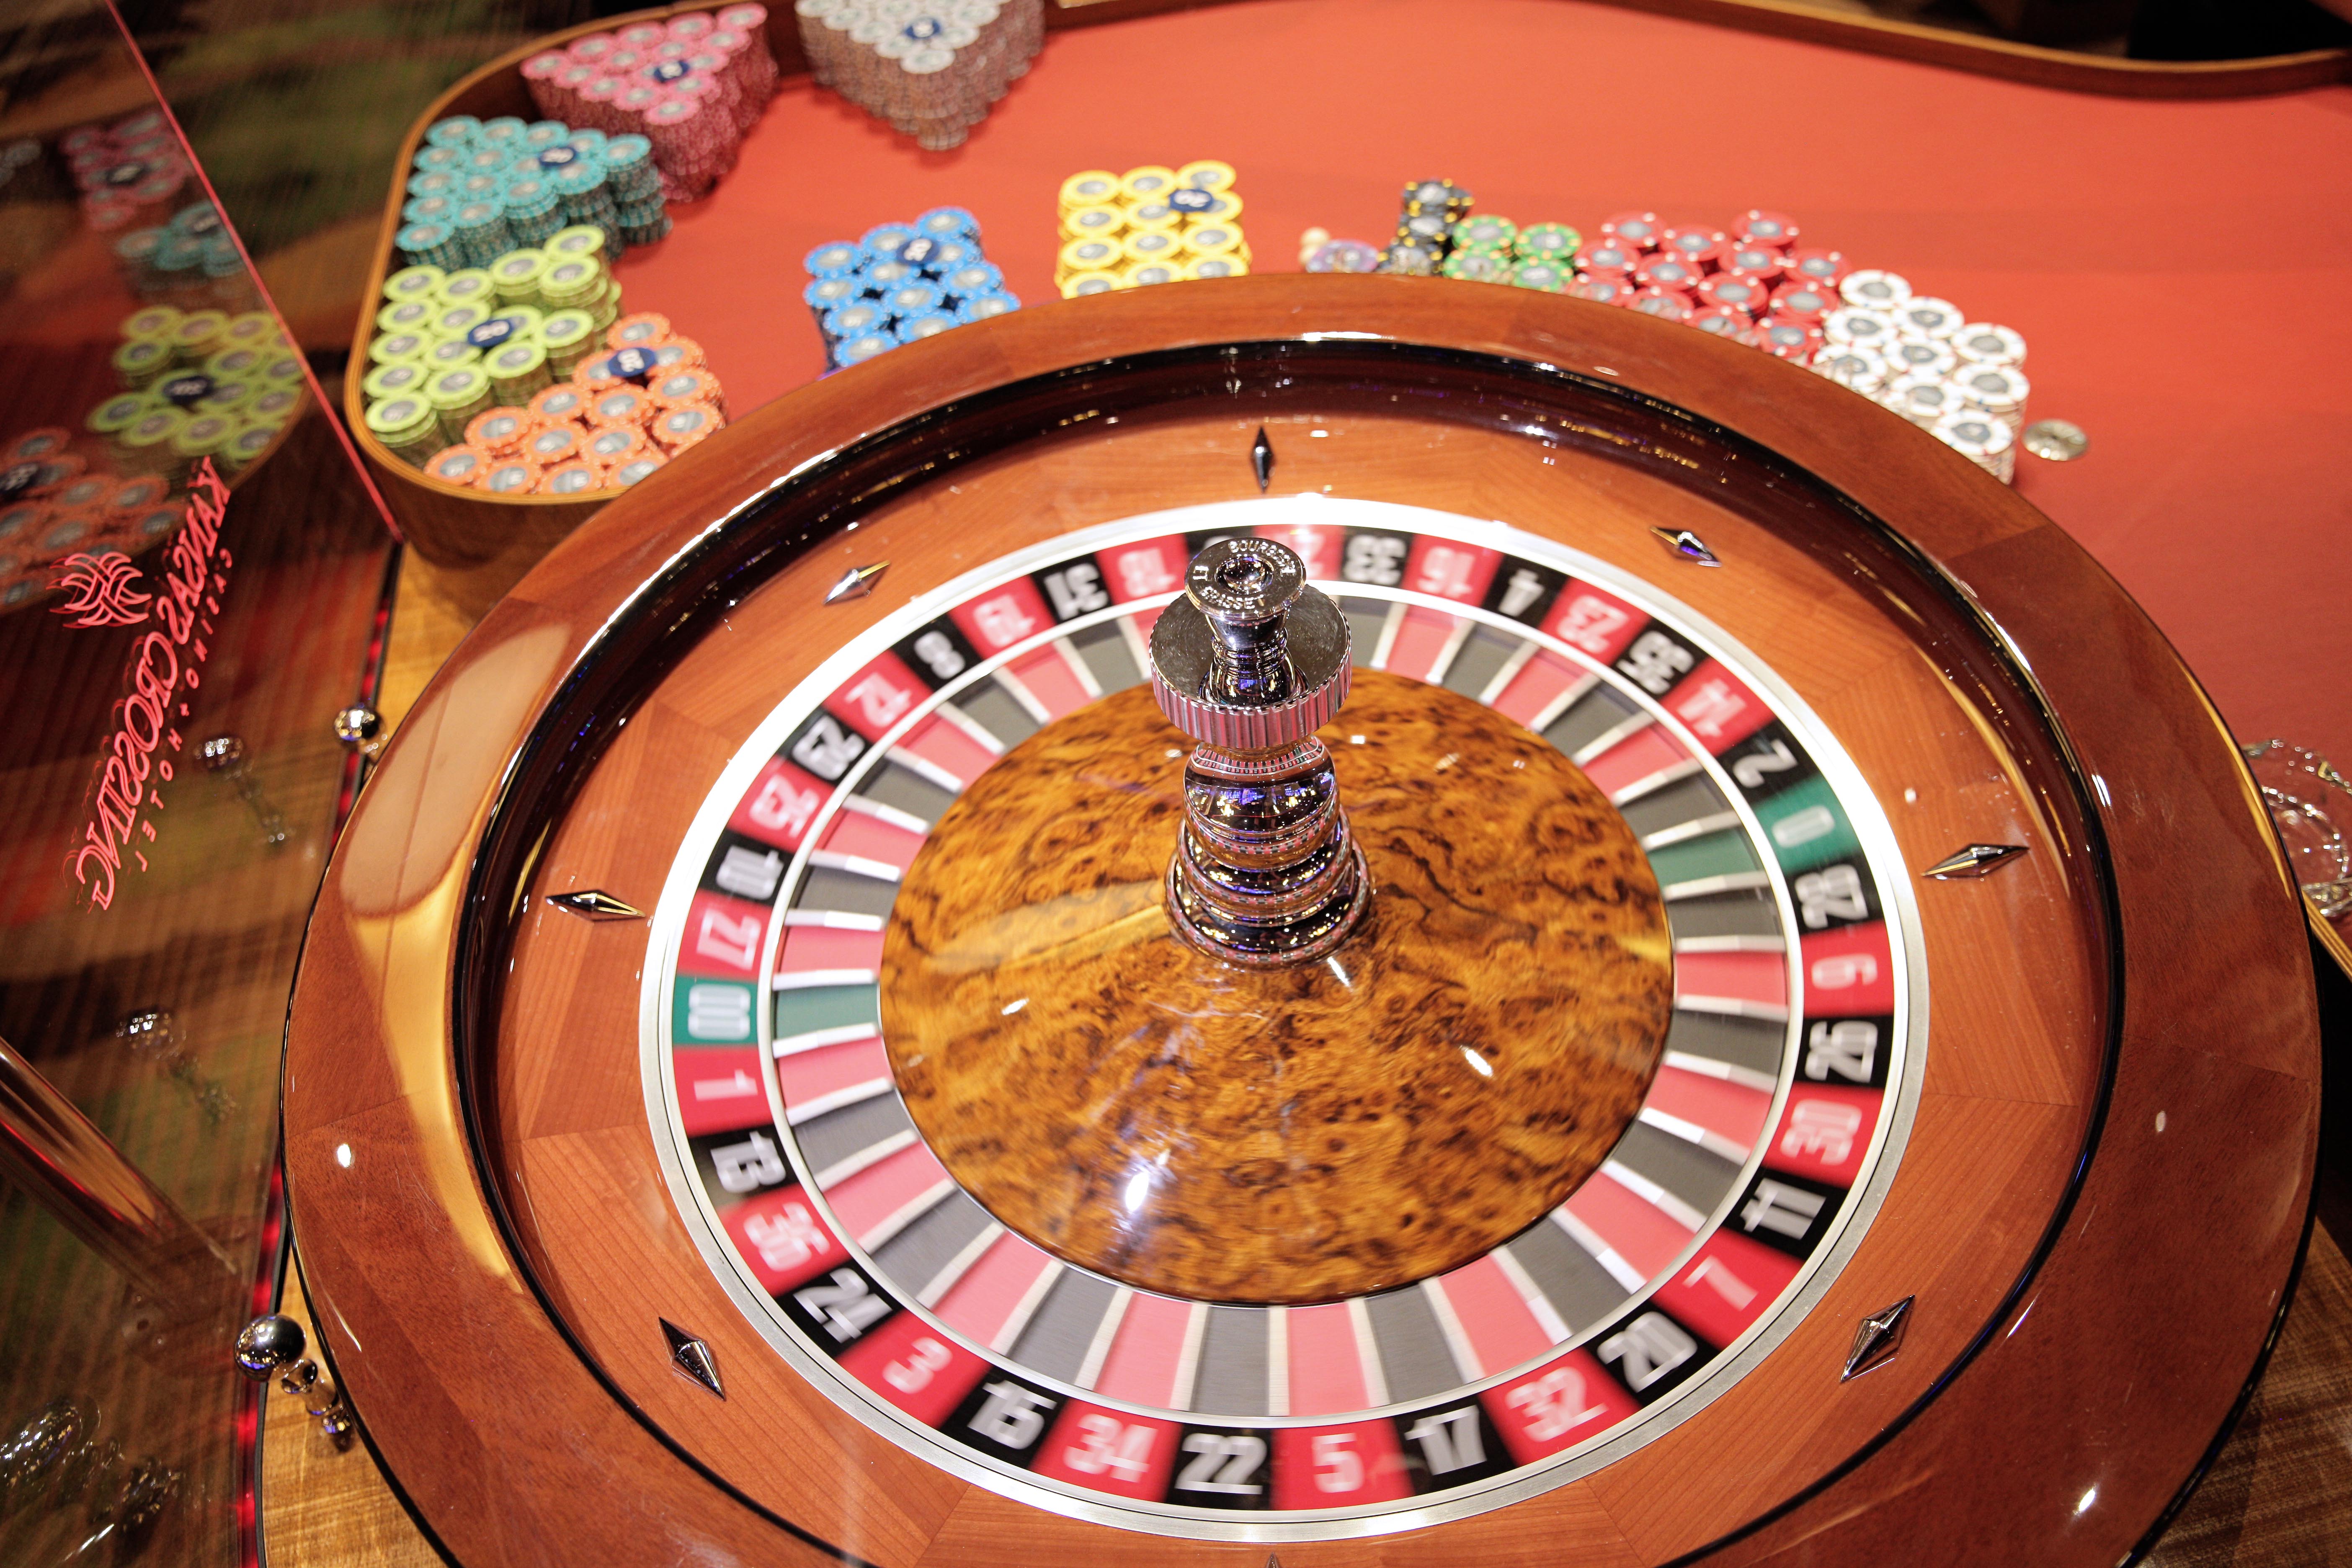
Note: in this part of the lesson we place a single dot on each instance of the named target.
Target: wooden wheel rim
(1805, 420)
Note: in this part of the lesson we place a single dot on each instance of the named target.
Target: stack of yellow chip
(1151, 224)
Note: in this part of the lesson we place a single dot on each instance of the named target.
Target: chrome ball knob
(361, 729)
(268, 1345)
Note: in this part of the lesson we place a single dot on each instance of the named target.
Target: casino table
(765, 1083)
(2162, 257)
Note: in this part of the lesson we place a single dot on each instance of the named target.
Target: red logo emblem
(104, 589)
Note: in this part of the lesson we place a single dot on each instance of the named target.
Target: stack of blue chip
(901, 282)
(481, 188)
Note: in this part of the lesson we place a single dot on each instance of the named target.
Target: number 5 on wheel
(1338, 1467)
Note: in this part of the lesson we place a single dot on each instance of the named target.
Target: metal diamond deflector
(1261, 460)
(1687, 545)
(1877, 1338)
(1973, 861)
(593, 904)
(692, 1357)
(856, 582)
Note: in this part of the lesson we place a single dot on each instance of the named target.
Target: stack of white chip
(1921, 357)
(1982, 439)
(930, 68)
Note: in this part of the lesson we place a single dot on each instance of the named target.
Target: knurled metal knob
(1250, 663)
(1253, 657)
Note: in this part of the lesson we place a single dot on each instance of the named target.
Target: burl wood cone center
(1456, 1069)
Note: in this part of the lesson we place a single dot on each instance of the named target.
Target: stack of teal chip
(430, 245)
(635, 185)
(534, 211)
(481, 232)
(581, 185)
(483, 189)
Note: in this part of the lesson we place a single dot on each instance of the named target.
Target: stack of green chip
(227, 397)
(415, 283)
(572, 243)
(274, 405)
(455, 396)
(233, 365)
(524, 321)
(516, 275)
(471, 286)
(568, 336)
(457, 320)
(141, 360)
(517, 369)
(397, 380)
(393, 347)
(144, 446)
(407, 316)
(1478, 263)
(448, 354)
(549, 304)
(408, 425)
(249, 442)
(199, 335)
(1554, 244)
(1542, 275)
(1481, 232)
(573, 282)
(115, 415)
(206, 435)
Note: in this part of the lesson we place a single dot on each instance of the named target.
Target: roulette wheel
(1301, 926)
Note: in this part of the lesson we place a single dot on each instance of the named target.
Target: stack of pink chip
(692, 85)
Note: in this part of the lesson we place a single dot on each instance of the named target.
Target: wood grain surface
(1301, 1135)
(2036, 1297)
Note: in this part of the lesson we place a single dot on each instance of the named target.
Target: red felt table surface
(2179, 269)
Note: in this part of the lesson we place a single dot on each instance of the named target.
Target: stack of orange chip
(461, 464)
(620, 403)
(551, 444)
(510, 477)
(643, 330)
(561, 404)
(500, 431)
(682, 427)
(602, 429)
(574, 476)
(676, 388)
(616, 444)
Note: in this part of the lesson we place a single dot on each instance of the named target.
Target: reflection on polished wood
(403, 1239)
(1454, 1072)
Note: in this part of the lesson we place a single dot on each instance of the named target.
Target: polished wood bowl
(2111, 1145)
